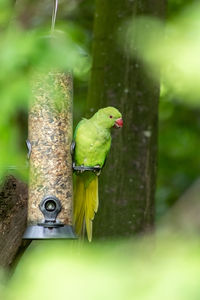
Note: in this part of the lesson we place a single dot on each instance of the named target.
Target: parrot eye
(111, 117)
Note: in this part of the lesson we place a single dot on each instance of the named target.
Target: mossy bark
(127, 184)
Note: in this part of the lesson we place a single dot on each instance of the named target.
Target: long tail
(85, 205)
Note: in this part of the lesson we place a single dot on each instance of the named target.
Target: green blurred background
(116, 270)
(22, 51)
(177, 53)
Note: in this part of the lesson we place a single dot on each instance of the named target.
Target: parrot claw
(82, 169)
(97, 170)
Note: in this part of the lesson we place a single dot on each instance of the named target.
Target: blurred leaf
(176, 52)
(137, 269)
(22, 53)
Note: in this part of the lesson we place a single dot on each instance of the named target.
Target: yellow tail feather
(85, 205)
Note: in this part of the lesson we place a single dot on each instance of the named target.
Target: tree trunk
(13, 215)
(127, 185)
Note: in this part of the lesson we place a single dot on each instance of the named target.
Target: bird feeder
(50, 136)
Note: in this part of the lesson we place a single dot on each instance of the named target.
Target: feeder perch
(50, 179)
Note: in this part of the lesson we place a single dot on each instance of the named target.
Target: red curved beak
(118, 123)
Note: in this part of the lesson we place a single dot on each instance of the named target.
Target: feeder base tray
(36, 232)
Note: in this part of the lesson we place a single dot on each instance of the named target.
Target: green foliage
(174, 7)
(22, 54)
(162, 268)
(178, 146)
(152, 268)
(176, 52)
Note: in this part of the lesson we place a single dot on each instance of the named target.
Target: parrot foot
(80, 169)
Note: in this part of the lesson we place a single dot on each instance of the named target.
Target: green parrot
(92, 143)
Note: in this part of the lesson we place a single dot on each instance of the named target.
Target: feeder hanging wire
(54, 13)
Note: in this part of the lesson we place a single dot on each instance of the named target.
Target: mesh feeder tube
(50, 178)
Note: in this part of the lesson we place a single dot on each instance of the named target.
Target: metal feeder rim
(36, 232)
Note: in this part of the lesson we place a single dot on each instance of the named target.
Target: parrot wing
(78, 125)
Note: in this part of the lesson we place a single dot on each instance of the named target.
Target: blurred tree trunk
(13, 215)
(127, 185)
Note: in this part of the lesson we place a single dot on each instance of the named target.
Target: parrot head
(109, 117)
